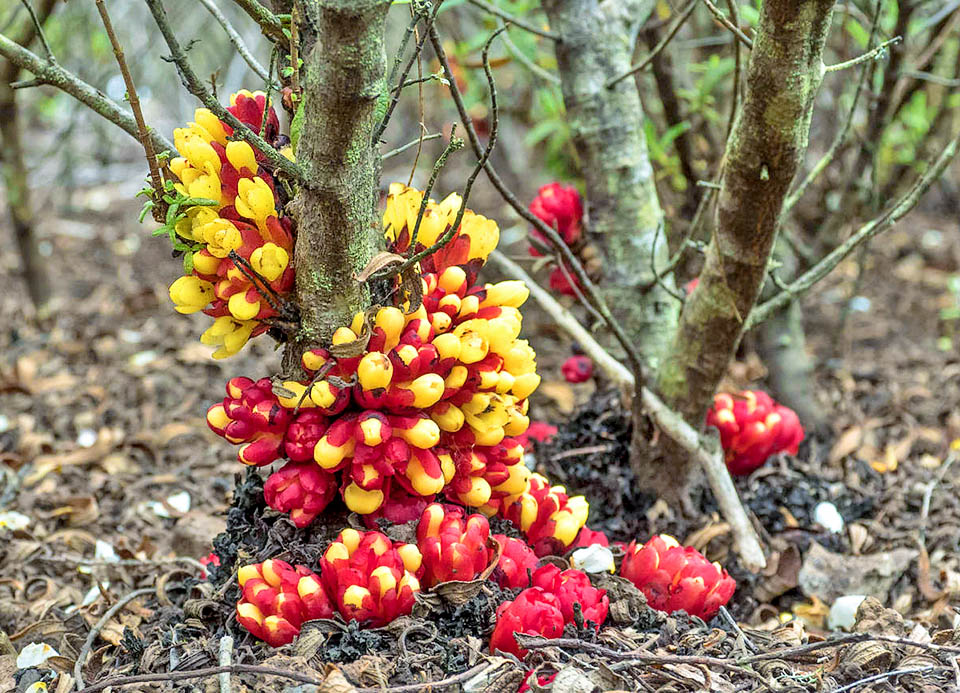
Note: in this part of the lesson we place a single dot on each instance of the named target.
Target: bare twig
(235, 38)
(261, 284)
(869, 55)
(888, 675)
(411, 144)
(864, 233)
(39, 27)
(527, 63)
(195, 87)
(98, 626)
(225, 654)
(705, 450)
(50, 73)
(156, 180)
(519, 23)
(453, 145)
(678, 22)
(722, 18)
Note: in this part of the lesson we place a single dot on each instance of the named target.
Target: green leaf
(187, 263)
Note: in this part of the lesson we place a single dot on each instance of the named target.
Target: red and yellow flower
(752, 428)
(453, 547)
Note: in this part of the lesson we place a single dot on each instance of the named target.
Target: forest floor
(105, 453)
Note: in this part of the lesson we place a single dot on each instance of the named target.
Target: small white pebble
(86, 438)
(13, 520)
(843, 613)
(593, 559)
(827, 516)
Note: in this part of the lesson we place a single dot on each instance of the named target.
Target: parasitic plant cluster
(752, 428)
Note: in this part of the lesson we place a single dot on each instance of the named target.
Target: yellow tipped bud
(440, 322)
(489, 436)
(248, 572)
(473, 347)
(254, 199)
(450, 300)
(372, 430)
(450, 420)
(392, 321)
(424, 434)
(528, 511)
(248, 610)
(566, 527)
(468, 306)
(452, 279)
(423, 483)
(411, 557)
(505, 382)
(447, 345)
(384, 576)
(270, 260)
(478, 494)
(374, 371)
(323, 394)
(313, 361)
(360, 501)
(270, 574)
(427, 390)
(337, 551)
(298, 390)
(191, 294)
(241, 308)
(359, 320)
(448, 467)
(456, 378)
(517, 424)
(517, 481)
(209, 122)
(205, 264)
(409, 580)
(241, 156)
(509, 293)
(343, 335)
(354, 596)
(489, 380)
(350, 538)
(329, 456)
(524, 385)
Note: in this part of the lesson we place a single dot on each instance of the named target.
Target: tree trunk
(764, 153)
(337, 226)
(607, 127)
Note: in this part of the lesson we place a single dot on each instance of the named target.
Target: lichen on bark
(344, 74)
(622, 204)
(766, 147)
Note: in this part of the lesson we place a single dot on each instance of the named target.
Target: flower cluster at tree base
(752, 428)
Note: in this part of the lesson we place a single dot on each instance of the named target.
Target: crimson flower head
(533, 612)
(573, 587)
(674, 577)
(369, 578)
(559, 207)
(453, 548)
(210, 559)
(302, 489)
(577, 369)
(752, 428)
(543, 680)
(589, 537)
(276, 598)
(517, 562)
(539, 431)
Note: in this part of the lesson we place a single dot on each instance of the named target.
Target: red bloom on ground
(559, 207)
(573, 587)
(588, 537)
(453, 548)
(534, 612)
(752, 428)
(674, 577)
(517, 562)
(210, 559)
(301, 489)
(539, 431)
(577, 369)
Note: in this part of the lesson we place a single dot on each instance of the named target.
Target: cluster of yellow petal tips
(239, 216)
(431, 405)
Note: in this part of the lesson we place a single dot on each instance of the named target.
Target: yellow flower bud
(375, 371)
(447, 466)
(270, 260)
(508, 293)
(248, 572)
(423, 483)
(411, 557)
(452, 279)
(385, 578)
(354, 595)
(323, 394)
(343, 335)
(427, 390)
(220, 235)
(484, 234)
(457, 377)
(298, 399)
(392, 321)
(566, 527)
(241, 156)
(450, 420)
(473, 347)
(524, 385)
(337, 551)
(448, 346)
(191, 294)
(228, 334)
(205, 264)
(360, 501)
(209, 122)
(241, 308)
(255, 201)
(478, 494)
(423, 434)
(489, 436)
(350, 538)
(372, 430)
(329, 456)
(517, 424)
(517, 481)
(468, 306)
(505, 382)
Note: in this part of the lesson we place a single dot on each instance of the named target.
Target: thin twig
(932, 78)
(53, 74)
(737, 69)
(235, 38)
(156, 180)
(195, 87)
(527, 63)
(677, 24)
(412, 143)
(722, 18)
(98, 626)
(39, 27)
(551, 234)
(123, 562)
(869, 55)
(896, 212)
(519, 23)
(453, 145)
(261, 284)
(226, 652)
(888, 675)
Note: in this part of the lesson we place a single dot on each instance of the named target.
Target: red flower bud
(539, 431)
(674, 577)
(453, 548)
(517, 562)
(543, 680)
(752, 428)
(301, 489)
(577, 369)
(588, 537)
(533, 612)
(209, 559)
(559, 207)
(573, 587)
(558, 282)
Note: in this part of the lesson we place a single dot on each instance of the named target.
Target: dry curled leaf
(378, 262)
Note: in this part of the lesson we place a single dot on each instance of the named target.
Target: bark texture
(336, 210)
(763, 154)
(607, 126)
